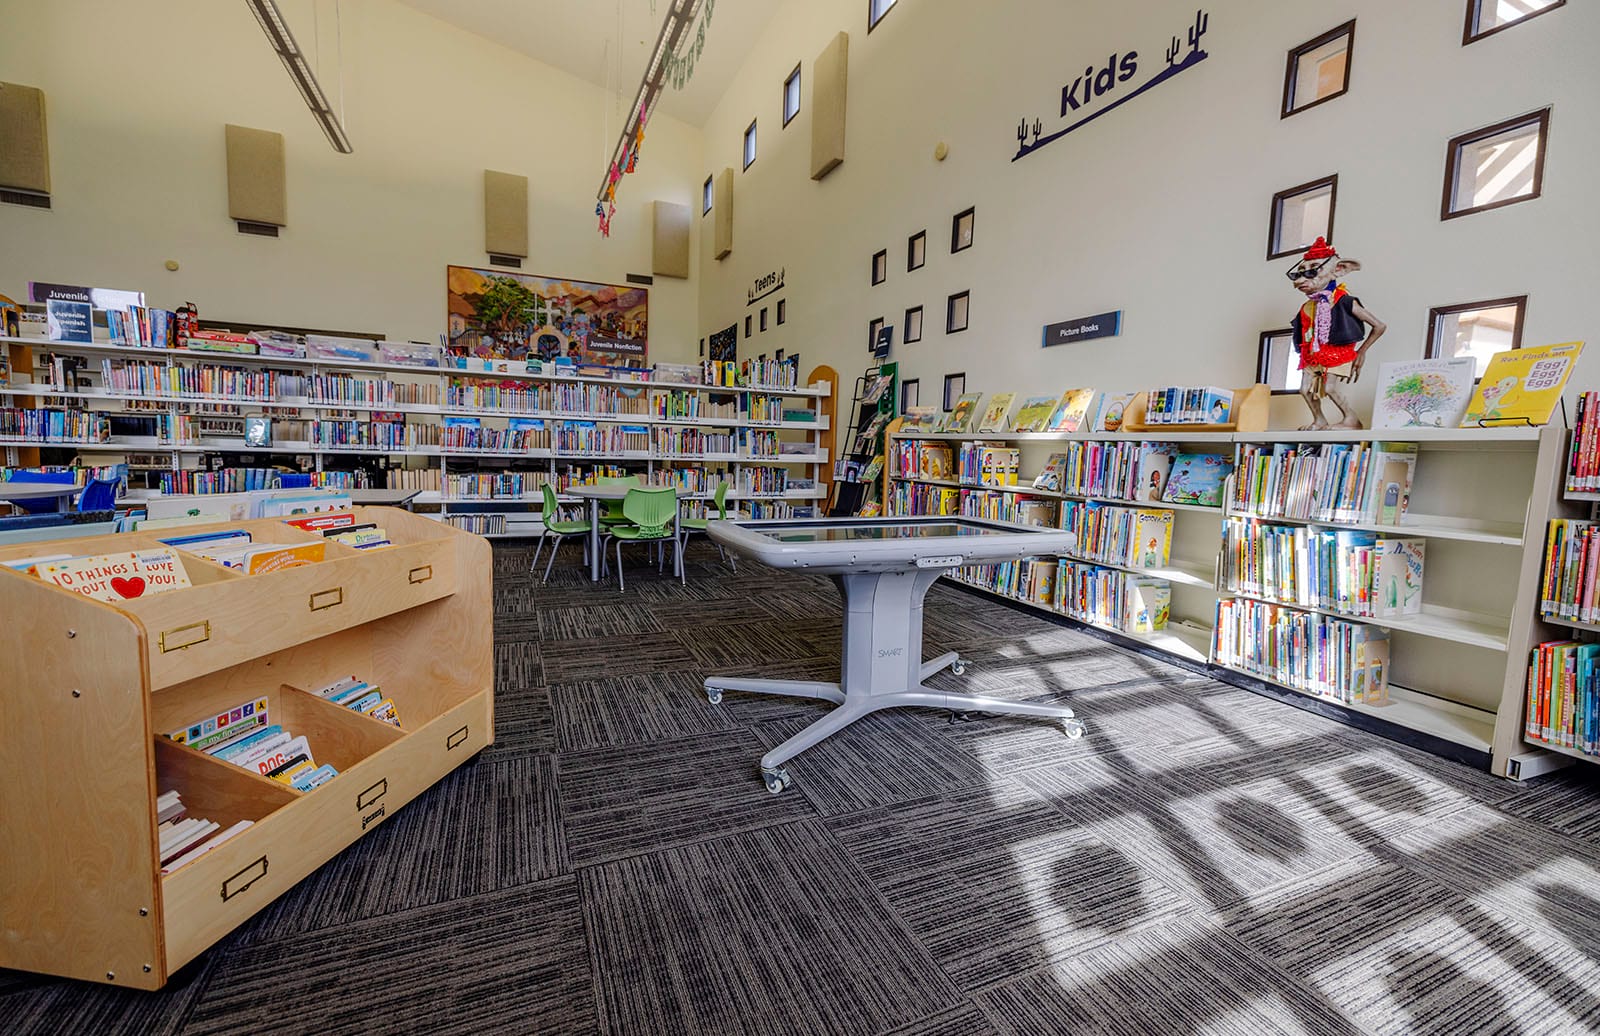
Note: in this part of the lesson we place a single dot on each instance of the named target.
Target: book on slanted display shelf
(1522, 386)
(1072, 412)
(994, 415)
(1197, 478)
(1112, 409)
(1034, 414)
(1423, 393)
(1051, 475)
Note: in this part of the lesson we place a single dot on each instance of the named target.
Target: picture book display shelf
(91, 691)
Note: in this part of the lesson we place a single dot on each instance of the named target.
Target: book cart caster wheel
(959, 667)
(1074, 728)
(714, 695)
(776, 780)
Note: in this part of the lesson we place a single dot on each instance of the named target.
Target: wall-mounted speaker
(257, 189)
(828, 80)
(24, 146)
(722, 209)
(669, 245)
(505, 214)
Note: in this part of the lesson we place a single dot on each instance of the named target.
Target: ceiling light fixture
(674, 31)
(294, 59)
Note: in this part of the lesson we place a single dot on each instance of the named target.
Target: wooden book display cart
(89, 692)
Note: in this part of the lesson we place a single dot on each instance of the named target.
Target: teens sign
(1083, 96)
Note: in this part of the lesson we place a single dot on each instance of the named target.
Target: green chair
(611, 510)
(650, 512)
(693, 525)
(554, 526)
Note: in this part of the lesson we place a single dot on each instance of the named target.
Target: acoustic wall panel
(669, 249)
(257, 189)
(828, 76)
(24, 146)
(722, 209)
(505, 214)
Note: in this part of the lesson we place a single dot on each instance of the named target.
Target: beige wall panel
(505, 213)
(257, 188)
(828, 81)
(722, 210)
(24, 150)
(669, 249)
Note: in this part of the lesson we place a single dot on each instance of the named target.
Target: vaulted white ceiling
(590, 38)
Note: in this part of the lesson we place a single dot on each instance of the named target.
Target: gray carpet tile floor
(1203, 860)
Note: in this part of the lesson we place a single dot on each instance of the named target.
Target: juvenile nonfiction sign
(1101, 325)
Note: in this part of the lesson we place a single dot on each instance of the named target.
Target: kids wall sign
(1103, 88)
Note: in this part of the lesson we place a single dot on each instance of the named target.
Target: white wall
(1158, 209)
(137, 96)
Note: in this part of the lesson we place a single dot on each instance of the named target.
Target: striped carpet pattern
(1203, 861)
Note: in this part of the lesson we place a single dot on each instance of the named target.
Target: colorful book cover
(118, 577)
(1112, 408)
(1050, 476)
(1423, 393)
(275, 557)
(1072, 412)
(1522, 385)
(1034, 414)
(994, 415)
(1389, 487)
(921, 419)
(1147, 603)
(1155, 464)
(961, 415)
(1152, 538)
(935, 460)
(1398, 586)
(1197, 479)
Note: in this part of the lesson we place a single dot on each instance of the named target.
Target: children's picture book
(1155, 464)
(1034, 414)
(1423, 393)
(961, 415)
(1522, 385)
(1389, 487)
(258, 431)
(1152, 535)
(1397, 584)
(1112, 407)
(122, 576)
(922, 419)
(1197, 478)
(995, 414)
(1050, 476)
(1073, 411)
(936, 461)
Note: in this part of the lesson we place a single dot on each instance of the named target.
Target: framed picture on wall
(961, 231)
(910, 394)
(955, 312)
(955, 386)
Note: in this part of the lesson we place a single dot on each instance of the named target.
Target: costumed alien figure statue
(1333, 330)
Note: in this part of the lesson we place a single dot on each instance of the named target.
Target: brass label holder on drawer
(249, 874)
(323, 599)
(373, 817)
(372, 794)
(455, 739)
(420, 574)
(174, 639)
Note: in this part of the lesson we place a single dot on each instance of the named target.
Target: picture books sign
(1101, 325)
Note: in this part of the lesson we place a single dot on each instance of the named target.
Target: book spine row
(755, 442)
(53, 425)
(479, 524)
(228, 480)
(765, 408)
(778, 509)
(982, 465)
(259, 386)
(1563, 696)
(577, 475)
(1345, 661)
(493, 440)
(514, 397)
(143, 326)
(675, 405)
(421, 479)
(1133, 536)
(343, 388)
(688, 442)
(585, 398)
(917, 498)
(501, 485)
(1115, 600)
(755, 481)
(373, 434)
(1571, 586)
(1583, 454)
(1326, 482)
(686, 480)
(1359, 574)
(1178, 405)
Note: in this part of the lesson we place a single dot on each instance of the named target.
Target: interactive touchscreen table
(884, 567)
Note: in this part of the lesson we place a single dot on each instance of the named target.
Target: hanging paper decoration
(679, 68)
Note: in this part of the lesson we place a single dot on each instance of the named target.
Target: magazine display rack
(93, 689)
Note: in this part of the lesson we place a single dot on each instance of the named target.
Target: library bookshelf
(669, 430)
(1457, 673)
(92, 689)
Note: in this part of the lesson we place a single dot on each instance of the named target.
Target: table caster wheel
(777, 780)
(1074, 728)
(959, 667)
(714, 695)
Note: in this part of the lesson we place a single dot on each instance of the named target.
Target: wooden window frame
(1430, 347)
(1264, 358)
(1276, 212)
(950, 312)
(1476, 6)
(910, 387)
(783, 311)
(1452, 154)
(1296, 53)
(880, 261)
(955, 230)
(783, 104)
(949, 380)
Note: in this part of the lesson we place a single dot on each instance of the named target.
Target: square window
(955, 386)
(880, 266)
(791, 95)
(705, 197)
(1300, 215)
(961, 231)
(1277, 364)
(876, 9)
(777, 357)
(1476, 329)
(1319, 69)
(750, 145)
(1497, 165)
(917, 251)
(913, 325)
(747, 331)
(702, 347)
(873, 327)
(955, 312)
(1487, 17)
(910, 394)
(763, 321)
(783, 310)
